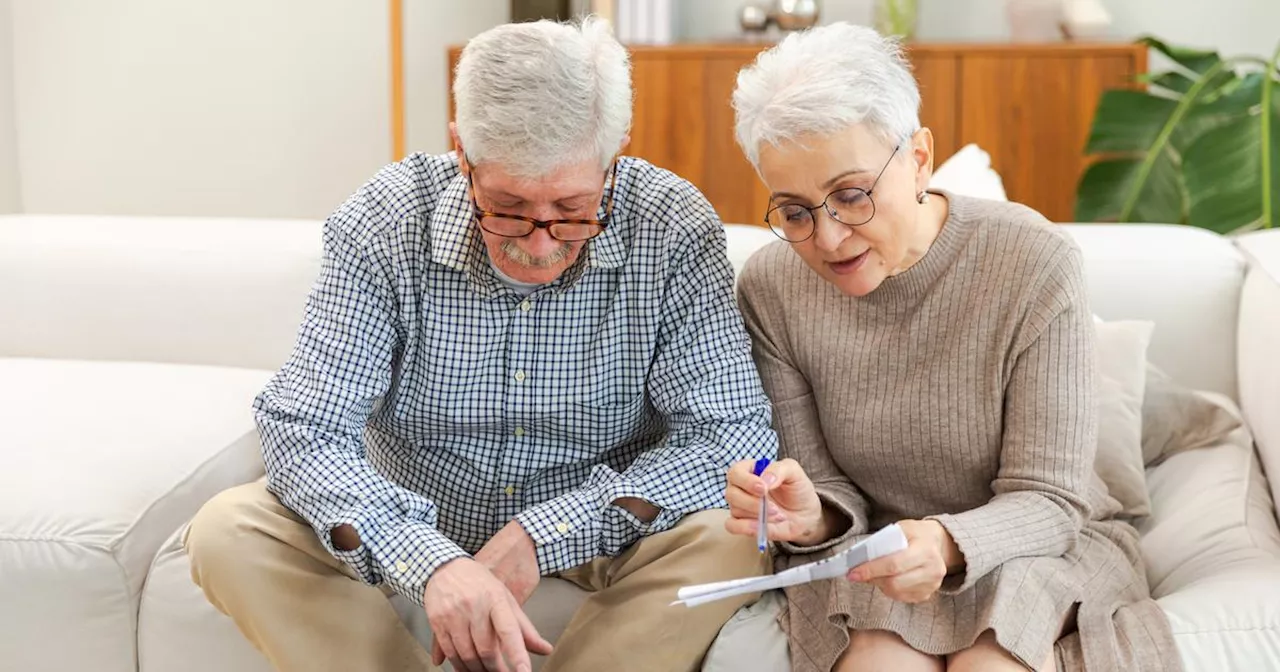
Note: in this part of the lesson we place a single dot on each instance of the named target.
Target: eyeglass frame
(480, 213)
(814, 218)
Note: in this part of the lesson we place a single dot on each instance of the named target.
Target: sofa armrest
(1259, 341)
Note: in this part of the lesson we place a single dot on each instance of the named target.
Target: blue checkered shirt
(427, 404)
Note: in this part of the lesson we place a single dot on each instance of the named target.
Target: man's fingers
(510, 642)
(464, 650)
(485, 639)
(437, 654)
(532, 639)
(441, 639)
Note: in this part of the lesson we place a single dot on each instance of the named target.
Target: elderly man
(521, 359)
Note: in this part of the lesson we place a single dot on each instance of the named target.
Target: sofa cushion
(1121, 371)
(1259, 334)
(181, 290)
(104, 460)
(1212, 550)
(177, 627)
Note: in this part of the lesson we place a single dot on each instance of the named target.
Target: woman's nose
(828, 234)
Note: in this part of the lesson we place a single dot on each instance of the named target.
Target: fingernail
(855, 576)
(770, 479)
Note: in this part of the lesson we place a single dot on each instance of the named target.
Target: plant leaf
(1223, 172)
(1195, 60)
(1106, 184)
(1128, 121)
(1175, 82)
(1228, 108)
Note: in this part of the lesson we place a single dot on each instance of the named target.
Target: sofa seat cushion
(1212, 549)
(104, 460)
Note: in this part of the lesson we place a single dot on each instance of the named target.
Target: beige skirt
(1025, 602)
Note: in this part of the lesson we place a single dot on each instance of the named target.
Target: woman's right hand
(794, 513)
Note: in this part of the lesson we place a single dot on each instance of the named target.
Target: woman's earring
(922, 197)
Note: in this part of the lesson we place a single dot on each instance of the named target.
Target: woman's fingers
(742, 504)
(742, 526)
(916, 585)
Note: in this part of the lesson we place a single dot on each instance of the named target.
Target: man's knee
(225, 530)
(735, 554)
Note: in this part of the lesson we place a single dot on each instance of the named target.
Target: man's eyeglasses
(851, 206)
(564, 230)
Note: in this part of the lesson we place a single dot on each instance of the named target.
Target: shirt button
(519, 376)
(401, 568)
(562, 528)
(525, 305)
(519, 431)
(510, 490)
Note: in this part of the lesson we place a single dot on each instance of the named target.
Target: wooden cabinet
(1029, 106)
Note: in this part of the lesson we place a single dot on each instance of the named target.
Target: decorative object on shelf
(533, 10)
(644, 21)
(1035, 20)
(897, 17)
(754, 18)
(796, 14)
(1200, 146)
(1085, 19)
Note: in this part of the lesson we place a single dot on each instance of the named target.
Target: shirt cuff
(404, 554)
(565, 530)
(622, 528)
(857, 525)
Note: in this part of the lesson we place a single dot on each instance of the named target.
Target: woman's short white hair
(539, 95)
(821, 81)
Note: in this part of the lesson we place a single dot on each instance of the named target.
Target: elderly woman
(930, 361)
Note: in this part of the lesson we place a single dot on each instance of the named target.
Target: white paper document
(885, 542)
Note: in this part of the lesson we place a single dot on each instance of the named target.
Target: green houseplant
(1199, 146)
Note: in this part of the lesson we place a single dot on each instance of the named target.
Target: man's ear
(463, 164)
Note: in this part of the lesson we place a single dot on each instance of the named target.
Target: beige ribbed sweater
(960, 390)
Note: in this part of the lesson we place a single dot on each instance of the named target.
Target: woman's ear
(922, 155)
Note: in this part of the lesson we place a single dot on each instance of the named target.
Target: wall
(1233, 26)
(10, 199)
(233, 107)
(431, 26)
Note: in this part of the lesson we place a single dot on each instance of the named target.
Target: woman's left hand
(914, 574)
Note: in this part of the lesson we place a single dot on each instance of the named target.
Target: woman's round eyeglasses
(850, 206)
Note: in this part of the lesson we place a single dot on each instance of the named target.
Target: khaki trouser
(263, 566)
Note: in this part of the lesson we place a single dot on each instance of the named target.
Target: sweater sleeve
(1049, 435)
(795, 411)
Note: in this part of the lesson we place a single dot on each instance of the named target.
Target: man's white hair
(539, 95)
(821, 81)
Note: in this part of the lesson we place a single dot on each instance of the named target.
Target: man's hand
(915, 574)
(511, 556)
(476, 622)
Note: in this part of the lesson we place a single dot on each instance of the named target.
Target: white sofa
(131, 348)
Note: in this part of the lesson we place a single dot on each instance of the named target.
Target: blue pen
(762, 533)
